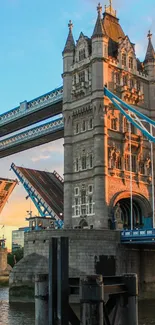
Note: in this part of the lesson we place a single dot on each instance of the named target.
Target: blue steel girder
(32, 106)
(133, 115)
(37, 199)
(42, 130)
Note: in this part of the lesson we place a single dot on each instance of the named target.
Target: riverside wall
(90, 251)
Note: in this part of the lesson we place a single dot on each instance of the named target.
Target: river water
(23, 314)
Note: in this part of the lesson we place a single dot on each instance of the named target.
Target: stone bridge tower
(96, 136)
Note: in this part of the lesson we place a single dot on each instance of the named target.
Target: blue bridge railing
(138, 236)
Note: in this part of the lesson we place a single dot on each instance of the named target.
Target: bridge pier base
(41, 299)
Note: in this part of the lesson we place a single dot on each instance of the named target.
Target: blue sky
(32, 37)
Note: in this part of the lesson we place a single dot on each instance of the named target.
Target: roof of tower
(112, 27)
(70, 44)
(150, 54)
(99, 29)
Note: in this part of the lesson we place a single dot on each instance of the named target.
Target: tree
(15, 257)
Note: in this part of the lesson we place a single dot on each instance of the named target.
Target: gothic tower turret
(68, 57)
(149, 62)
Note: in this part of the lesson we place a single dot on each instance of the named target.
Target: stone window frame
(76, 206)
(76, 191)
(77, 128)
(118, 78)
(130, 62)
(82, 76)
(91, 160)
(124, 59)
(90, 124)
(90, 205)
(83, 126)
(126, 126)
(84, 162)
(114, 124)
(131, 81)
(77, 164)
(90, 186)
(125, 80)
(127, 162)
(82, 54)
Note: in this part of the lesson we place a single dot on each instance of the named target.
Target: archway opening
(125, 208)
(83, 224)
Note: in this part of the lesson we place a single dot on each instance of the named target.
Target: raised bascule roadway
(45, 189)
(6, 188)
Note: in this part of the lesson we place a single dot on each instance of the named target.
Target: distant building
(18, 238)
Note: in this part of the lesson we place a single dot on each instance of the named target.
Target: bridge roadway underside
(29, 119)
(31, 143)
(91, 251)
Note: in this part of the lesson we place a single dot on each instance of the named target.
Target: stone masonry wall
(85, 247)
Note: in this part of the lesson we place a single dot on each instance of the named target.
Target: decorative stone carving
(118, 216)
(147, 166)
(113, 156)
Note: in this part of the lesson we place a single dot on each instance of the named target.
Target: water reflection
(23, 314)
(15, 314)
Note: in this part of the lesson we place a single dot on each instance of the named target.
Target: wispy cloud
(40, 157)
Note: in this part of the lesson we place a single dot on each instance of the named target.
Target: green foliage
(15, 257)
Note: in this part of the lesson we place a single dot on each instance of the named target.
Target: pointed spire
(110, 9)
(70, 44)
(98, 30)
(150, 54)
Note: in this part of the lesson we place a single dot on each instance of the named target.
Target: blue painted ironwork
(49, 127)
(139, 236)
(34, 105)
(42, 207)
(131, 114)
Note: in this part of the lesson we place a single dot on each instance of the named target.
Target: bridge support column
(91, 298)
(41, 299)
(131, 282)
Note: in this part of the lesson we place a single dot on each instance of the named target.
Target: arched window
(83, 223)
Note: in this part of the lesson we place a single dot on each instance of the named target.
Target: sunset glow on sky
(32, 35)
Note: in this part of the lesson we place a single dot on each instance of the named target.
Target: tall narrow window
(133, 162)
(83, 125)
(125, 80)
(82, 54)
(130, 62)
(117, 78)
(77, 164)
(90, 205)
(118, 163)
(83, 202)
(126, 125)
(90, 123)
(124, 59)
(91, 160)
(76, 206)
(114, 124)
(81, 76)
(77, 128)
(84, 162)
(131, 83)
(138, 85)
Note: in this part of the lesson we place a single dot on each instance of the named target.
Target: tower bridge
(108, 151)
